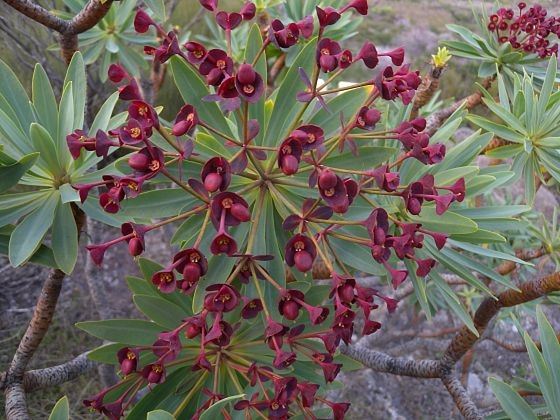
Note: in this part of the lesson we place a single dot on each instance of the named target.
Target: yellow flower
(441, 58)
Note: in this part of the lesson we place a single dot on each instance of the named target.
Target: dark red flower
(301, 252)
(229, 209)
(211, 5)
(128, 359)
(143, 21)
(327, 16)
(221, 298)
(228, 21)
(185, 121)
(289, 155)
(195, 52)
(249, 83)
(117, 73)
(154, 373)
(216, 66)
(223, 243)
(314, 136)
(144, 113)
(305, 26)
(339, 409)
(202, 362)
(283, 36)
(326, 55)
(136, 241)
(396, 56)
(77, 141)
(132, 133)
(165, 281)
(248, 10)
(368, 53)
(251, 309)
(288, 304)
(361, 6)
(367, 118)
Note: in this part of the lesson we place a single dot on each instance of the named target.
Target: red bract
(185, 121)
(361, 6)
(143, 21)
(222, 298)
(301, 252)
(77, 141)
(327, 16)
(216, 66)
(154, 373)
(367, 118)
(249, 83)
(327, 51)
(211, 5)
(117, 73)
(401, 83)
(229, 209)
(223, 243)
(368, 53)
(289, 155)
(248, 10)
(283, 36)
(228, 21)
(128, 359)
(195, 52)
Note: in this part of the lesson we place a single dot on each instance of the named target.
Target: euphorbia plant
(295, 178)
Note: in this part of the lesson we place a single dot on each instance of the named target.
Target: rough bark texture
(16, 407)
(86, 19)
(434, 121)
(381, 362)
(462, 400)
(426, 90)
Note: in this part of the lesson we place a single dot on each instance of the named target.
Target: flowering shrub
(269, 186)
(237, 176)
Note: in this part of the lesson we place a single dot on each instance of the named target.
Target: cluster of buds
(529, 29)
(231, 193)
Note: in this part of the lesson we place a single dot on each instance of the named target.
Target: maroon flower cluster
(266, 174)
(530, 30)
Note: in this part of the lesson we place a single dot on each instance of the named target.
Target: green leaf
(158, 7)
(11, 174)
(14, 94)
(134, 332)
(28, 234)
(487, 252)
(65, 238)
(369, 158)
(551, 355)
(481, 236)
(45, 145)
(101, 121)
(43, 256)
(285, 105)
(44, 100)
(76, 74)
(160, 415)
(215, 410)
(512, 403)
(65, 125)
(192, 90)
(158, 203)
(161, 311)
(257, 110)
(449, 222)
(453, 301)
(61, 410)
(498, 129)
(548, 86)
(543, 374)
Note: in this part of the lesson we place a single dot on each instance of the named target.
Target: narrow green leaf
(27, 236)
(158, 203)
(551, 354)
(543, 374)
(66, 125)
(192, 90)
(76, 74)
(160, 415)
(14, 94)
(369, 157)
(453, 301)
(133, 332)
(284, 109)
(449, 222)
(61, 410)
(158, 7)
(511, 401)
(44, 100)
(214, 411)
(257, 110)
(45, 145)
(11, 174)
(161, 311)
(65, 238)
(498, 129)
